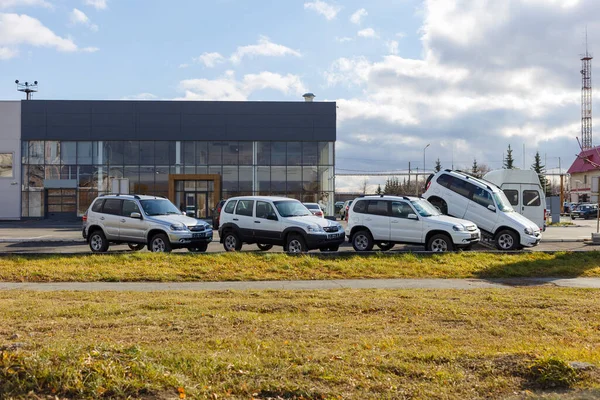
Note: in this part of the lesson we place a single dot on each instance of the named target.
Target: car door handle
(394, 222)
(367, 219)
(123, 220)
(257, 222)
(236, 219)
(102, 218)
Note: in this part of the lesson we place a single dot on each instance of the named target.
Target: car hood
(173, 219)
(524, 221)
(448, 220)
(312, 220)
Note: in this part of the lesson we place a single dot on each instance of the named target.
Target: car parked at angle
(140, 221)
(388, 220)
(344, 209)
(461, 195)
(280, 221)
(315, 209)
(337, 207)
(585, 211)
(216, 214)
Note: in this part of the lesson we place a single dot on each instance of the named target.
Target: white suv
(387, 220)
(269, 221)
(464, 196)
(140, 221)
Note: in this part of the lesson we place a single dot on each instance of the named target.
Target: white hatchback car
(387, 220)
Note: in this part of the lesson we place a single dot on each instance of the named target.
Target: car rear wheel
(362, 241)
(385, 246)
(507, 240)
(160, 244)
(264, 247)
(201, 248)
(231, 242)
(440, 243)
(136, 246)
(440, 205)
(98, 242)
(295, 245)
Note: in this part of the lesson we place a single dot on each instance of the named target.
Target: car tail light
(427, 187)
(347, 213)
(84, 217)
(319, 213)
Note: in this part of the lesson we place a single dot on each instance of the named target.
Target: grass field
(351, 344)
(260, 266)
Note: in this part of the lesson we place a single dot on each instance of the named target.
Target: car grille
(196, 228)
(330, 229)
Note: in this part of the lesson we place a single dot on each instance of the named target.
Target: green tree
(379, 190)
(541, 171)
(475, 169)
(509, 161)
(392, 186)
(438, 165)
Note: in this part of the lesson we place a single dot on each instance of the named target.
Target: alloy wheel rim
(294, 246)
(96, 242)
(439, 245)
(230, 242)
(361, 242)
(506, 241)
(158, 245)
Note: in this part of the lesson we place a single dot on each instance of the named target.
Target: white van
(463, 196)
(524, 192)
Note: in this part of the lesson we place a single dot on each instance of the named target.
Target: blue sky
(467, 77)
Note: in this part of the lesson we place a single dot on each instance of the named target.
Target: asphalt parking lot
(53, 237)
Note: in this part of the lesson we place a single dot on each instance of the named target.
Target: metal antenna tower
(27, 88)
(586, 98)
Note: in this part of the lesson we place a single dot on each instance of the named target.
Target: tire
(160, 244)
(440, 205)
(440, 243)
(362, 241)
(201, 248)
(572, 217)
(264, 247)
(136, 246)
(385, 246)
(295, 244)
(507, 240)
(231, 242)
(98, 242)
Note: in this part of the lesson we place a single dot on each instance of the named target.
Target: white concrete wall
(10, 142)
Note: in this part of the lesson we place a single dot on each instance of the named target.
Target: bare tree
(363, 185)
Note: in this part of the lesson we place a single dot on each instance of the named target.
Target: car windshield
(502, 202)
(291, 208)
(159, 207)
(425, 208)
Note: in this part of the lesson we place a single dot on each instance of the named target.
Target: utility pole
(408, 176)
(417, 183)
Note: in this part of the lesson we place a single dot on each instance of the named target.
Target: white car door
(462, 189)
(377, 219)
(133, 229)
(267, 228)
(244, 220)
(110, 218)
(479, 210)
(532, 207)
(403, 229)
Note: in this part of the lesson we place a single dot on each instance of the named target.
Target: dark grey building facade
(195, 153)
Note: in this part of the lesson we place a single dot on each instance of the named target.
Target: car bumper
(315, 241)
(185, 239)
(467, 238)
(84, 233)
(530, 240)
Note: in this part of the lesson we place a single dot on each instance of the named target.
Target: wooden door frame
(215, 178)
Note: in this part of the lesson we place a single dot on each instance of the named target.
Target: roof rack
(406, 198)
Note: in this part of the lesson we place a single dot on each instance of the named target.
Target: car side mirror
(272, 217)
(413, 216)
(136, 215)
(491, 208)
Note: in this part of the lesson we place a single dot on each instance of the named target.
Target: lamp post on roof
(27, 88)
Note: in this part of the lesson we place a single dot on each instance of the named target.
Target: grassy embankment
(260, 266)
(367, 344)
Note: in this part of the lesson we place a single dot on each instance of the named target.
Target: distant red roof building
(581, 165)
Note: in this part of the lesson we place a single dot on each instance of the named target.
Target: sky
(466, 77)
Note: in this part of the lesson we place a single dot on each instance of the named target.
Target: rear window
(230, 207)
(97, 207)
(461, 187)
(444, 180)
(531, 198)
(377, 207)
(360, 207)
(312, 206)
(112, 206)
(244, 208)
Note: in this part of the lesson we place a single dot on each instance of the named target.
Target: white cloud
(78, 17)
(367, 33)
(184, 65)
(18, 29)
(210, 60)
(358, 15)
(19, 3)
(264, 48)
(327, 10)
(6, 53)
(90, 49)
(401, 35)
(97, 4)
(228, 88)
(392, 46)
(343, 39)
(141, 96)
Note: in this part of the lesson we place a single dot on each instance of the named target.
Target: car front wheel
(295, 245)
(507, 240)
(160, 244)
(362, 241)
(440, 243)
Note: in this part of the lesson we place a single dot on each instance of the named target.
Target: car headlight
(528, 231)
(458, 228)
(314, 228)
(178, 227)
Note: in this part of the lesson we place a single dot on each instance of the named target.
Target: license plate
(197, 235)
(334, 235)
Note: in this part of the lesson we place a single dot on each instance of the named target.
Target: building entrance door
(61, 204)
(195, 204)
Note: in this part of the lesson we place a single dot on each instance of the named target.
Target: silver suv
(269, 221)
(142, 220)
